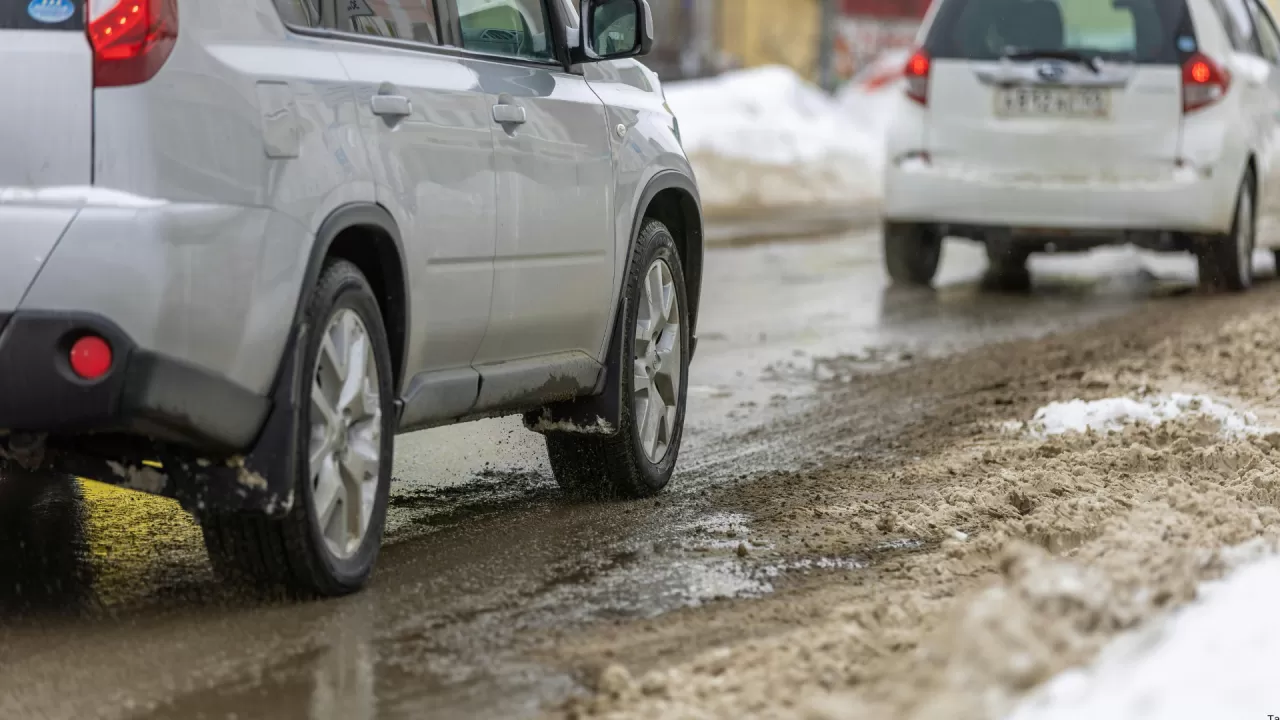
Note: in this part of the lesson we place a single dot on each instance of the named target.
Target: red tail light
(917, 76)
(131, 39)
(1204, 82)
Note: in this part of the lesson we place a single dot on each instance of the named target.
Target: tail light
(1204, 82)
(131, 39)
(917, 75)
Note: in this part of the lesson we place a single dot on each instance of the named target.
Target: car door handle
(392, 106)
(508, 114)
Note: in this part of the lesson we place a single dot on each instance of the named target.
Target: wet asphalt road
(484, 561)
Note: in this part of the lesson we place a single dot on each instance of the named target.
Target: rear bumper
(1185, 202)
(143, 393)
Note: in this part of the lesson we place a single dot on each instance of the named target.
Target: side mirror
(614, 29)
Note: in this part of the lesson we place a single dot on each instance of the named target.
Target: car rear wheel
(651, 362)
(1007, 270)
(327, 544)
(1226, 261)
(912, 253)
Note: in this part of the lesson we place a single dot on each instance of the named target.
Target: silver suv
(248, 242)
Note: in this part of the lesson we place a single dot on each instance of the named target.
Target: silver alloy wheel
(1244, 236)
(346, 434)
(658, 362)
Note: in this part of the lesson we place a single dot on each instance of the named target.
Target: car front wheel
(651, 362)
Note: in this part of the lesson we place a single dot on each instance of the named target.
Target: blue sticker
(51, 12)
(1187, 44)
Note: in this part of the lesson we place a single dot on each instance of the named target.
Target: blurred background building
(826, 41)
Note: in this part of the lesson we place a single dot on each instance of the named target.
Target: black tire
(44, 553)
(912, 253)
(1226, 261)
(1007, 269)
(616, 466)
(290, 553)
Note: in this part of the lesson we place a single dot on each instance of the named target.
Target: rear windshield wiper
(1089, 61)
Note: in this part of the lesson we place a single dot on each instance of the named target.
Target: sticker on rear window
(51, 12)
(1187, 44)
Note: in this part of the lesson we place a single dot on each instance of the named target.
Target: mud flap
(598, 414)
(261, 481)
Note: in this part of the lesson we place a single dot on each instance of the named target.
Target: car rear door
(1057, 89)
(46, 82)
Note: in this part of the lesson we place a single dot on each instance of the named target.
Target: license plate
(1053, 102)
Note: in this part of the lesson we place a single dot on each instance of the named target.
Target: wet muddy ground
(854, 531)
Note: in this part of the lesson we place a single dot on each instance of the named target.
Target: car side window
(514, 28)
(1268, 36)
(401, 19)
(1239, 24)
(301, 13)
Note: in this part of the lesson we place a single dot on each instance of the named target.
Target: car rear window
(41, 14)
(1144, 31)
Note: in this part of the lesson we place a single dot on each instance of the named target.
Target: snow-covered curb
(1217, 658)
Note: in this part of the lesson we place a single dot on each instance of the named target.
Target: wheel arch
(366, 235)
(672, 198)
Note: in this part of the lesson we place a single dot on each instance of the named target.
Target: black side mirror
(614, 29)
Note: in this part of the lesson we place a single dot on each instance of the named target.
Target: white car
(1063, 125)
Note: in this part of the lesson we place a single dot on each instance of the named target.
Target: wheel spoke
(332, 357)
(654, 409)
(653, 294)
(330, 492)
(640, 378)
(357, 366)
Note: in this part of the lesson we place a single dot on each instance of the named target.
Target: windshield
(1144, 31)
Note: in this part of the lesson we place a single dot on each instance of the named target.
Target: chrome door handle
(392, 105)
(508, 114)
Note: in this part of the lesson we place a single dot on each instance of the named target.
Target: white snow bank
(765, 137)
(1217, 658)
(1113, 414)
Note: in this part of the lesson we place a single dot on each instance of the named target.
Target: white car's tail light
(916, 73)
(131, 39)
(1204, 82)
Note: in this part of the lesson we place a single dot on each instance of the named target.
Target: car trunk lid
(1058, 90)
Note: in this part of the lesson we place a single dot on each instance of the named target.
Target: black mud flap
(597, 414)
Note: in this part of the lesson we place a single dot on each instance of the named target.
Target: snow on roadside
(1215, 658)
(766, 138)
(1114, 414)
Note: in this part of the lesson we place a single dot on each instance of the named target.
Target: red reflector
(91, 357)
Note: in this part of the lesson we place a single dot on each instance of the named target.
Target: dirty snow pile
(1217, 658)
(1114, 414)
(765, 138)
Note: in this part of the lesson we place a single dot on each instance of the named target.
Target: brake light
(917, 76)
(131, 39)
(1204, 82)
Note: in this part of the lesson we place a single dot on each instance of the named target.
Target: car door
(553, 267)
(1269, 184)
(427, 123)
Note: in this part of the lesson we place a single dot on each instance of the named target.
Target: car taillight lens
(1204, 82)
(131, 39)
(917, 76)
